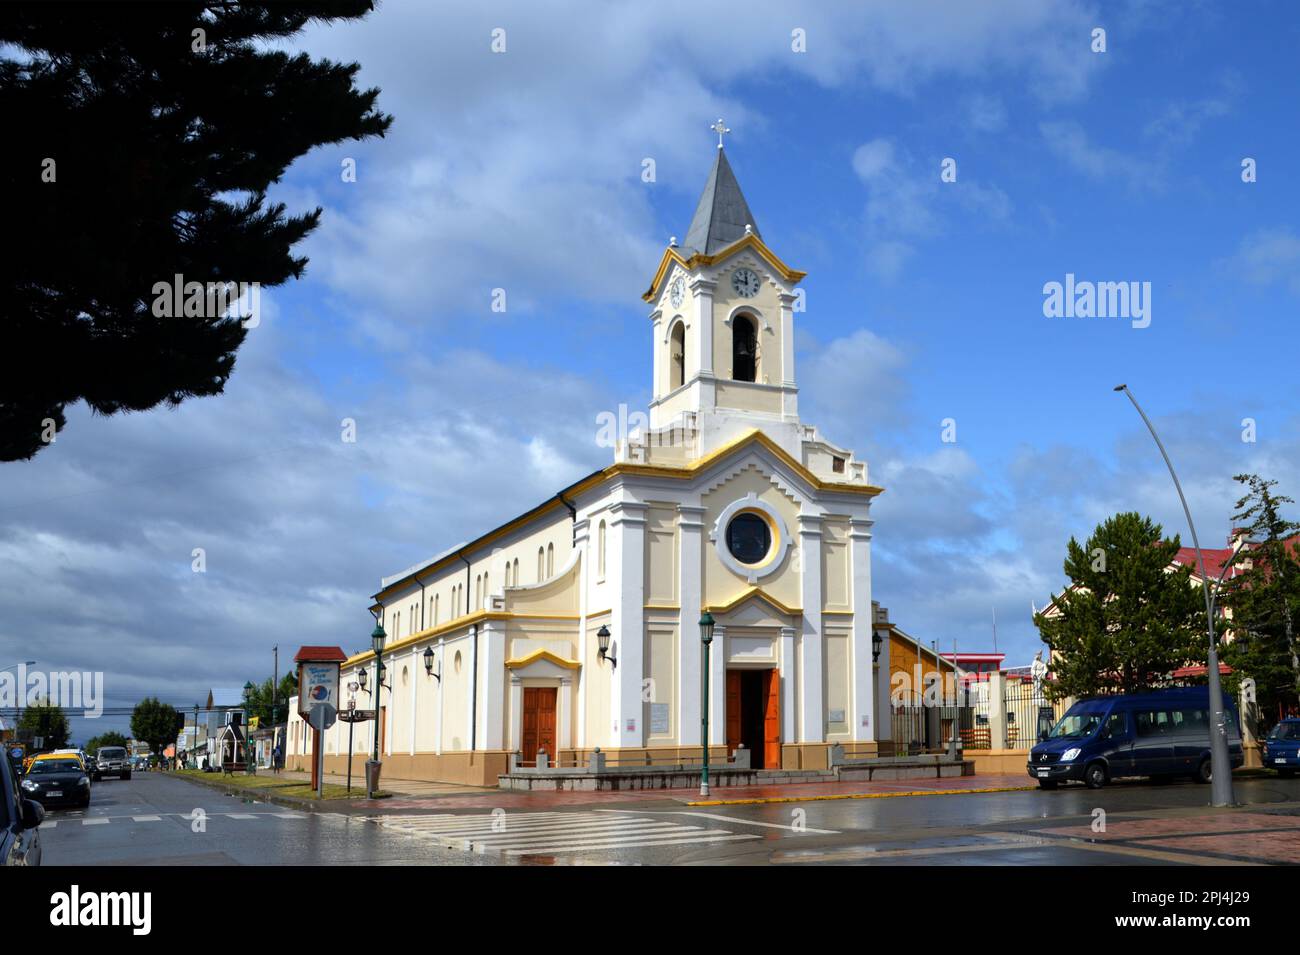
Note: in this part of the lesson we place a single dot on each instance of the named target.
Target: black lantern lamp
(602, 637)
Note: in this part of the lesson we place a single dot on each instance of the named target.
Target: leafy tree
(150, 135)
(1126, 620)
(46, 720)
(1264, 597)
(260, 700)
(156, 723)
(111, 738)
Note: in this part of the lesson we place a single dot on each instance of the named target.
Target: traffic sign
(322, 716)
(356, 716)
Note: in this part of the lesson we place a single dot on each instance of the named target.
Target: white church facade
(726, 503)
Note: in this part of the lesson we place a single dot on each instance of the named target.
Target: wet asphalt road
(148, 820)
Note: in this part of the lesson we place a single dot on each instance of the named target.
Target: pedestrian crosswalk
(554, 833)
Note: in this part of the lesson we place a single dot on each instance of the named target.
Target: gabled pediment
(754, 607)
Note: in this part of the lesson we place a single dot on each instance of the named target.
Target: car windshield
(1285, 731)
(55, 766)
(1076, 725)
(112, 753)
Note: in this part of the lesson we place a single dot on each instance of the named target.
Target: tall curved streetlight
(1220, 767)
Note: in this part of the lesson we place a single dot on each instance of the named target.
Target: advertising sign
(319, 686)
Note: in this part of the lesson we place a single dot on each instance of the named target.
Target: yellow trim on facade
(754, 592)
(466, 621)
(750, 241)
(837, 613)
(542, 654)
(644, 470)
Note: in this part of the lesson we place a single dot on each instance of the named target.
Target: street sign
(322, 717)
(356, 716)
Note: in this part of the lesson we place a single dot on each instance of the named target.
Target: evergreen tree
(1264, 597)
(141, 139)
(1126, 620)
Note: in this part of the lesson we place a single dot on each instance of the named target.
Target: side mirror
(1042, 736)
(32, 814)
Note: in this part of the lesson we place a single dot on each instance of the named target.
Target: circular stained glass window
(749, 538)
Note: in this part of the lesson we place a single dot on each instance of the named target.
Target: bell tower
(723, 322)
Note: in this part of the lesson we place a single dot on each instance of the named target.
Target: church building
(577, 624)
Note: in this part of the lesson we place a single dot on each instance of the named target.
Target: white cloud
(1268, 256)
(904, 199)
(1069, 141)
(521, 170)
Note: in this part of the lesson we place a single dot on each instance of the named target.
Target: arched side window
(600, 551)
(550, 561)
(486, 590)
(677, 356)
(516, 571)
(541, 564)
(744, 349)
(507, 573)
(434, 610)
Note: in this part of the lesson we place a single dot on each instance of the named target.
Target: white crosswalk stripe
(146, 818)
(516, 834)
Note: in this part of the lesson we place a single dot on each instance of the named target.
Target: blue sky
(522, 171)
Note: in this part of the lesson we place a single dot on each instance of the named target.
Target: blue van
(1160, 734)
(1282, 747)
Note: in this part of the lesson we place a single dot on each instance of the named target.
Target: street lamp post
(194, 747)
(1220, 767)
(377, 637)
(250, 766)
(706, 638)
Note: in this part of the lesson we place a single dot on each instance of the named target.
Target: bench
(229, 769)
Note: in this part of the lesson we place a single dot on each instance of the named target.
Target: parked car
(113, 761)
(1160, 734)
(1282, 747)
(56, 779)
(20, 839)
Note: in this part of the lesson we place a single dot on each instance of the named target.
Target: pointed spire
(722, 215)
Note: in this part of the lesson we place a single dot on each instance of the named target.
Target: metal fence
(1029, 712)
(917, 728)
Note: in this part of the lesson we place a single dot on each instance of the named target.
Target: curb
(289, 802)
(758, 801)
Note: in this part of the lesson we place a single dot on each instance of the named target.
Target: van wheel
(1203, 771)
(1047, 783)
(1095, 776)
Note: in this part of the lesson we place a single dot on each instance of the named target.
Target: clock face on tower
(677, 291)
(745, 282)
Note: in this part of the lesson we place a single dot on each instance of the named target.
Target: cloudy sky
(521, 170)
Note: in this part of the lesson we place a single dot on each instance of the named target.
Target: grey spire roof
(722, 214)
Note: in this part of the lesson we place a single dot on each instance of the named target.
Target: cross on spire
(721, 129)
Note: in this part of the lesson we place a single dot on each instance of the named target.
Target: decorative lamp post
(706, 638)
(250, 765)
(377, 637)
